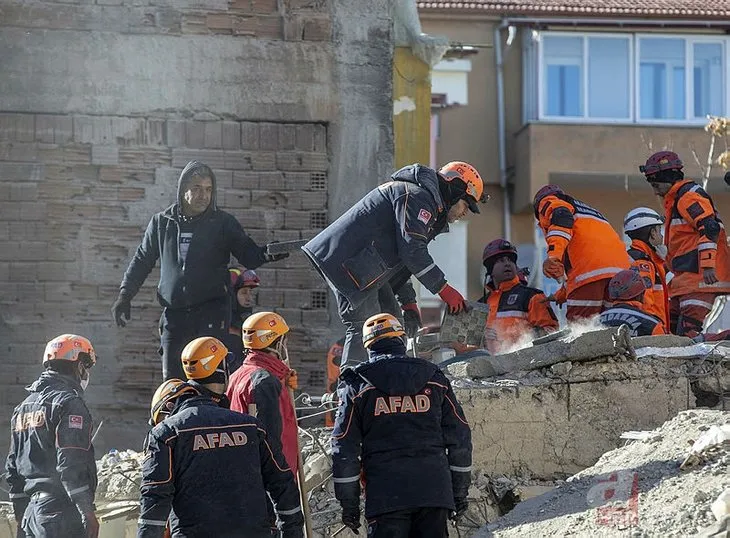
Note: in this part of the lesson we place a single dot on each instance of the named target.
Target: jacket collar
(51, 379)
(509, 284)
(267, 361)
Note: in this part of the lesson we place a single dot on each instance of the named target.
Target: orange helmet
(380, 326)
(202, 357)
(260, 330)
(70, 347)
(470, 177)
(164, 398)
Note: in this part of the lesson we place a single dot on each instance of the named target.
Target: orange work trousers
(588, 300)
(687, 312)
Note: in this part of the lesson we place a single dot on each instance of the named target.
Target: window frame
(634, 40)
(541, 65)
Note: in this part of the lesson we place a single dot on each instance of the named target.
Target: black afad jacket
(399, 423)
(204, 273)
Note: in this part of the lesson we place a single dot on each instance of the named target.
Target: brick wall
(102, 104)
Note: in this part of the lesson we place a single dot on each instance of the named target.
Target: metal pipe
(502, 148)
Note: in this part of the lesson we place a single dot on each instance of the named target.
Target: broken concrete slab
(661, 341)
(586, 347)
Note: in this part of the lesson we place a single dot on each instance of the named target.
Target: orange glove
(292, 381)
(561, 295)
(453, 299)
(553, 268)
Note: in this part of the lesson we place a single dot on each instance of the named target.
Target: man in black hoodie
(400, 426)
(194, 241)
(383, 239)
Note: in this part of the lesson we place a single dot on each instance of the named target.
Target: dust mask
(84, 382)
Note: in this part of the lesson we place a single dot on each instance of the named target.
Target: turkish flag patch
(76, 421)
(424, 216)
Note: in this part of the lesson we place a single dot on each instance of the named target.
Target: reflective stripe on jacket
(582, 238)
(696, 240)
(652, 268)
(633, 315)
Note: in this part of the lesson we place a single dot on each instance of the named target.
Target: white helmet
(641, 217)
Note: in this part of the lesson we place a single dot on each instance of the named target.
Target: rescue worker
(644, 227)
(260, 386)
(383, 239)
(515, 309)
(50, 468)
(626, 291)
(209, 378)
(697, 249)
(207, 469)
(193, 240)
(584, 251)
(400, 426)
(244, 291)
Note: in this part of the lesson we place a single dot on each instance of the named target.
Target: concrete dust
(648, 494)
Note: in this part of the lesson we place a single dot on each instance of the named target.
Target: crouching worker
(50, 468)
(515, 309)
(207, 469)
(626, 289)
(399, 424)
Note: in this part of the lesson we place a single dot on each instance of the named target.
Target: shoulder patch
(695, 210)
(76, 421)
(424, 216)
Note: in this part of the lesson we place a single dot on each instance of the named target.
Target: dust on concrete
(667, 501)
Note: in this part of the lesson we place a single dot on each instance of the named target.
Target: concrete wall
(101, 104)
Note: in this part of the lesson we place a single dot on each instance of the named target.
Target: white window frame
(634, 79)
(542, 116)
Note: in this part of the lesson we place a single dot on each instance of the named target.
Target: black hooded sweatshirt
(201, 275)
(400, 424)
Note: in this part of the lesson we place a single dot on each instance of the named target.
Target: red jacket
(262, 381)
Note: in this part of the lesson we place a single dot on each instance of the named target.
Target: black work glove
(462, 505)
(411, 319)
(121, 309)
(351, 517)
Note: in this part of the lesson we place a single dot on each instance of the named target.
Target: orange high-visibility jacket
(696, 240)
(652, 268)
(582, 239)
(516, 311)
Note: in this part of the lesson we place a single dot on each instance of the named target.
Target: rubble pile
(120, 474)
(671, 481)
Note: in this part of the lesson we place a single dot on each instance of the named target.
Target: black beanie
(388, 346)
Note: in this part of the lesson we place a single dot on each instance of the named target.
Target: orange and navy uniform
(582, 238)
(516, 310)
(635, 317)
(696, 240)
(653, 270)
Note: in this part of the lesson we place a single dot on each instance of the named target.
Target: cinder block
(305, 278)
(230, 135)
(260, 26)
(93, 130)
(128, 131)
(5, 271)
(316, 318)
(104, 155)
(297, 220)
(193, 24)
(44, 125)
(313, 200)
(195, 134)
(249, 135)
(253, 6)
(212, 157)
(297, 299)
(175, 133)
(223, 179)
(23, 191)
(219, 22)
(293, 316)
(213, 137)
(304, 137)
(155, 132)
(320, 138)
(301, 161)
(245, 180)
(21, 172)
(268, 136)
(287, 136)
(237, 199)
(317, 28)
(32, 210)
(23, 271)
(131, 194)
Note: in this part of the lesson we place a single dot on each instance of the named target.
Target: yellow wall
(411, 108)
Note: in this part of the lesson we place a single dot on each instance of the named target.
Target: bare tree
(718, 128)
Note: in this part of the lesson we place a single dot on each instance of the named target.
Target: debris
(721, 507)
(715, 436)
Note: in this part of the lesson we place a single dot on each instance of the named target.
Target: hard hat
(641, 217)
(496, 248)
(203, 356)
(626, 285)
(163, 401)
(544, 192)
(661, 160)
(380, 326)
(260, 330)
(70, 347)
(470, 177)
(243, 278)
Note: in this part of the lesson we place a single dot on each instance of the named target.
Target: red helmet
(243, 278)
(661, 160)
(626, 285)
(545, 191)
(496, 248)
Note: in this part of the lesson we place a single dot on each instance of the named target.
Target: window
(624, 78)
(586, 76)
